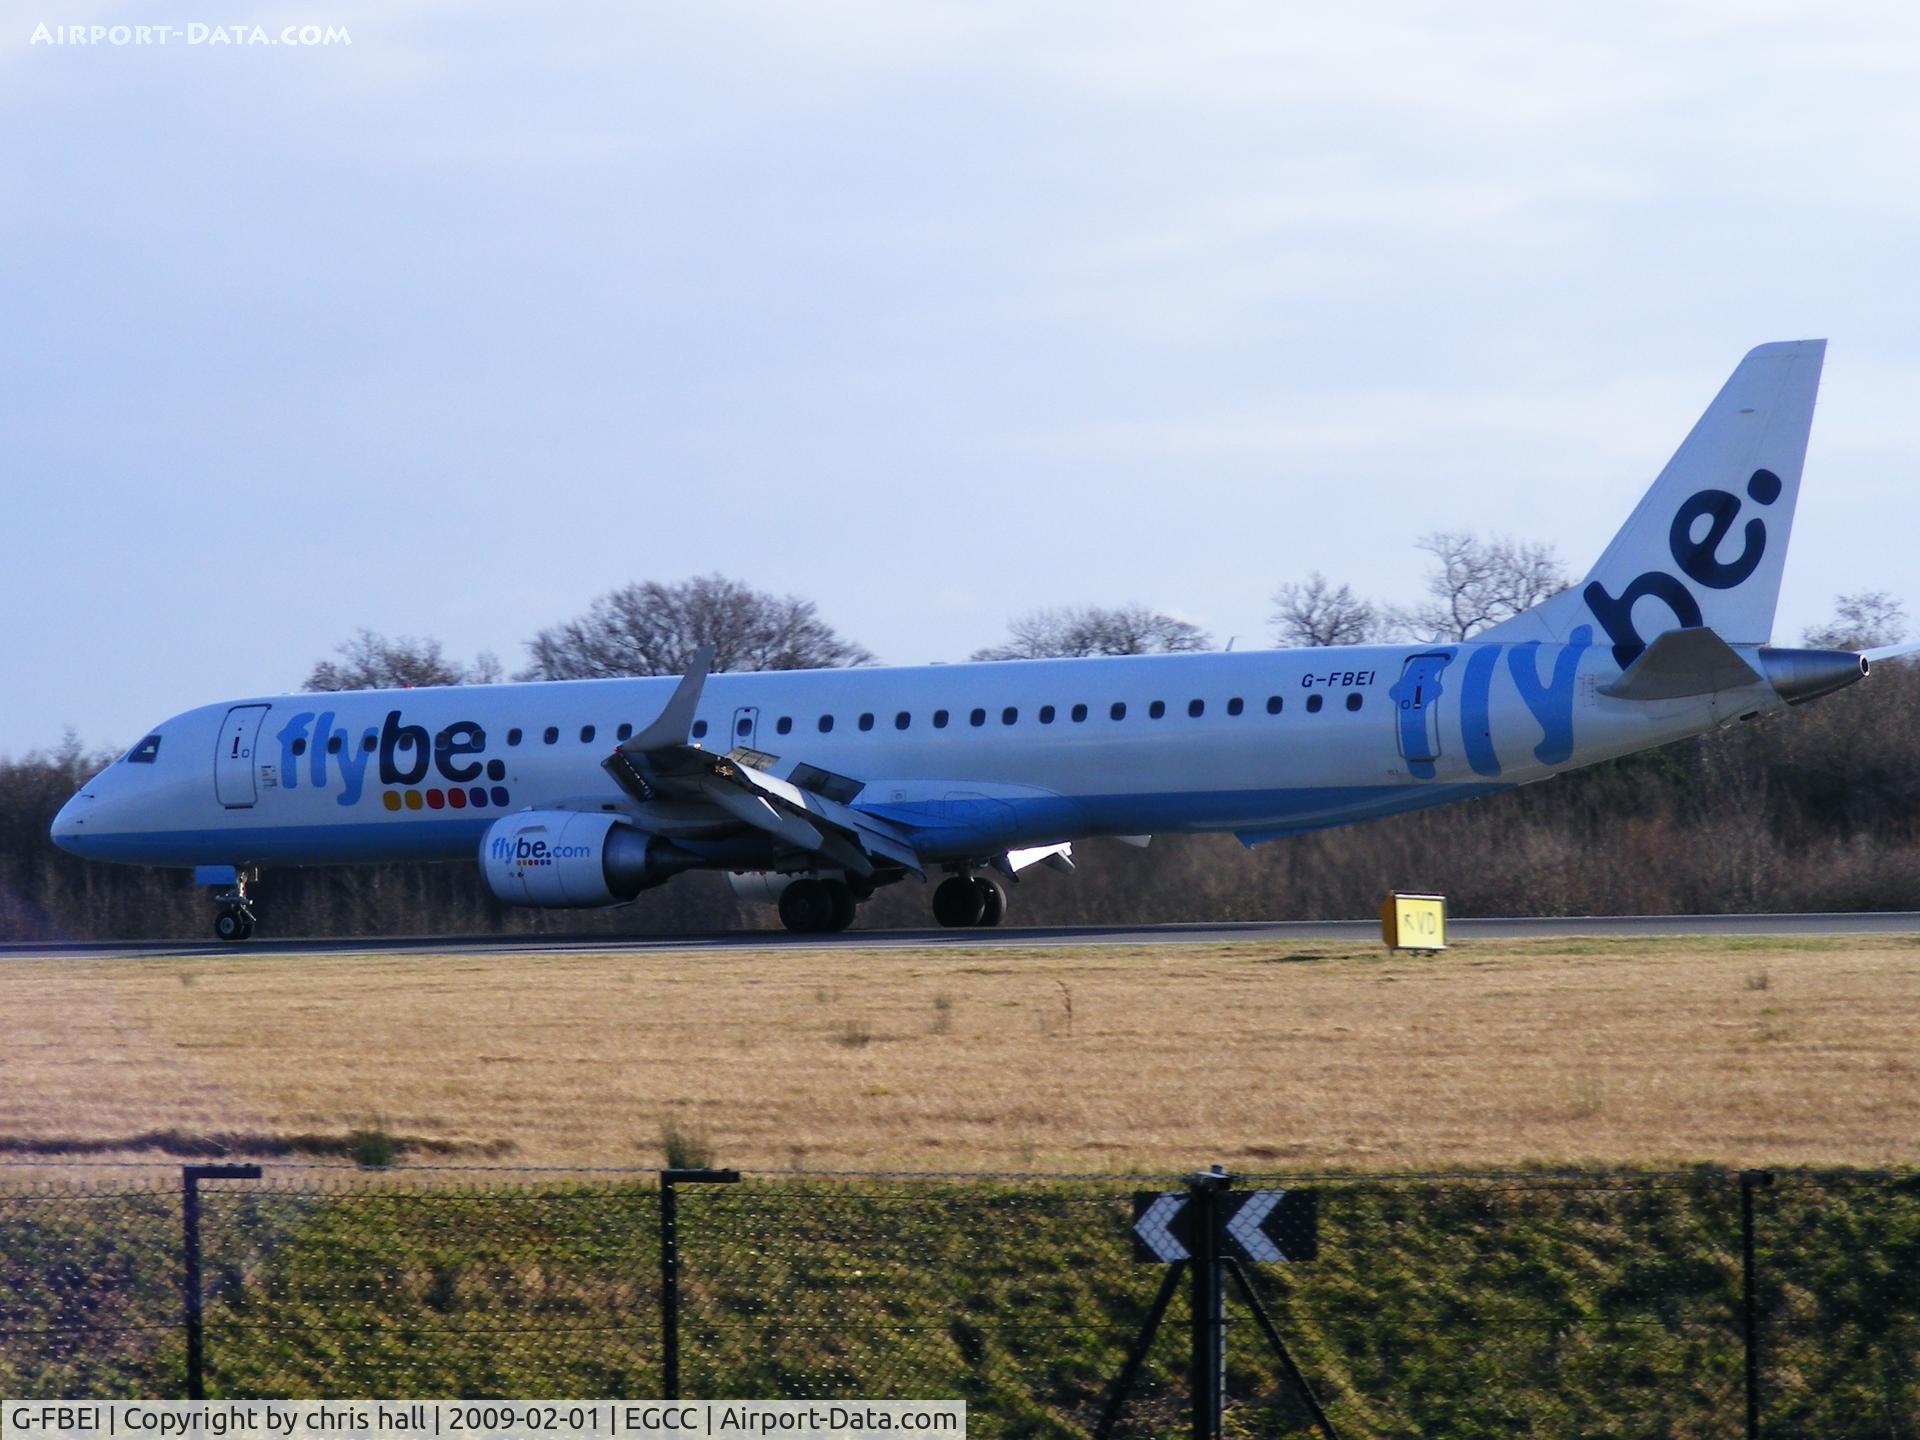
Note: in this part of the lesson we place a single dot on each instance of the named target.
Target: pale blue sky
(933, 313)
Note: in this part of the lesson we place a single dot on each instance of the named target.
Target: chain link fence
(1701, 1304)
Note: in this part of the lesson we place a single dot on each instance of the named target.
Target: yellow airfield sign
(1413, 922)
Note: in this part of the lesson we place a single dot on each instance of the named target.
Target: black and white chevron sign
(1260, 1225)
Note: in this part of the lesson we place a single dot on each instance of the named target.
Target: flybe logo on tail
(1698, 558)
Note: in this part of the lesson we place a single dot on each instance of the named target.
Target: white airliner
(812, 788)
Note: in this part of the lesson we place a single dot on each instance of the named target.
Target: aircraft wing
(660, 763)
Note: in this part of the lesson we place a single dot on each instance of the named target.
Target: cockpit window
(145, 752)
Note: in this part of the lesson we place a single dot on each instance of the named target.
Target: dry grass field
(1494, 1054)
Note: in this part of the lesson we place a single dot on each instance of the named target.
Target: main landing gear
(235, 920)
(969, 900)
(817, 907)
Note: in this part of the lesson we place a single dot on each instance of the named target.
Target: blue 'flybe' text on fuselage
(405, 753)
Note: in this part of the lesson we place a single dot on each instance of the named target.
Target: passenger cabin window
(978, 717)
(371, 742)
(1314, 702)
(902, 720)
(1046, 714)
(1196, 708)
(1119, 710)
(145, 752)
(939, 719)
(1079, 713)
(826, 724)
(586, 734)
(866, 721)
(1274, 702)
(334, 743)
(699, 729)
(1009, 715)
(299, 747)
(552, 734)
(1157, 709)
(1353, 700)
(623, 734)
(1236, 705)
(785, 725)
(743, 726)
(513, 737)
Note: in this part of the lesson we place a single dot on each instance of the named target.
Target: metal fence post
(1209, 1305)
(1749, 1299)
(670, 1268)
(190, 1178)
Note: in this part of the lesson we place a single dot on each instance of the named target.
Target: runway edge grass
(1460, 1307)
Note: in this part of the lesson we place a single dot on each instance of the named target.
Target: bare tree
(652, 628)
(1320, 613)
(377, 662)
(1477, 583)
(1861, 621)
(1081, 630)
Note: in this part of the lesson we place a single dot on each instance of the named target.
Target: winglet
(674, 725)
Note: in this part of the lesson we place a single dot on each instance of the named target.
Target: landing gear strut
(969, 900)
(235, 920)
(817, 907)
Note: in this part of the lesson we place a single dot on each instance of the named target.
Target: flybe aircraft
(814, 788)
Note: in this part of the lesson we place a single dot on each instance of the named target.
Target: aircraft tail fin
(1707, 543)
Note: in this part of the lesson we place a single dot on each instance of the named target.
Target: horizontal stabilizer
(1890, 652)
(1680, 663)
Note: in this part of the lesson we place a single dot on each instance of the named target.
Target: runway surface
(1892, 922)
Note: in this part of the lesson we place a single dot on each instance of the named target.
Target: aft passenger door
(233, 769)
(1418, 694)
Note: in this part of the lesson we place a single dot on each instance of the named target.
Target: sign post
(1209, 1230)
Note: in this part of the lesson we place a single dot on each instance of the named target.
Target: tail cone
(1798, 676)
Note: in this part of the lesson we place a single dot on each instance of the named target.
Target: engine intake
(573, 859)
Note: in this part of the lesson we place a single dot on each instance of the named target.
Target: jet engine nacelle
(574, 858)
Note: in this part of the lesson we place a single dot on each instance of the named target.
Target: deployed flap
(1680, 663)
(869, 834)
(661, 762)
(1054, 857)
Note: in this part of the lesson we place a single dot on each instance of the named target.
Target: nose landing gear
(235, 920)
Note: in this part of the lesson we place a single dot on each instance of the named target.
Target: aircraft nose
(69, 826)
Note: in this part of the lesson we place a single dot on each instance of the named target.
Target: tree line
(1810, 810)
